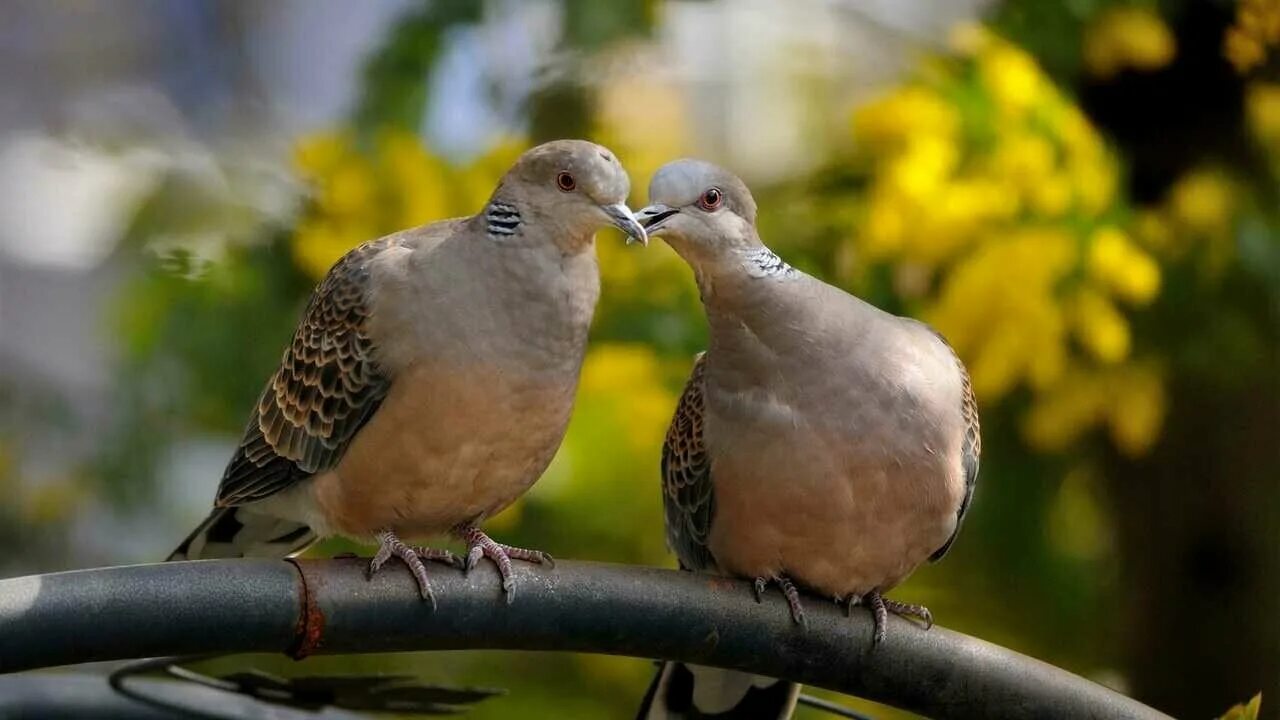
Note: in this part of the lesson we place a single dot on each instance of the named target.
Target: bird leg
(881, 606)
(390, 546)
(480, 545)
(789, 591)
(440, 555)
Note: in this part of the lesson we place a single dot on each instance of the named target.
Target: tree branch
(327, 606)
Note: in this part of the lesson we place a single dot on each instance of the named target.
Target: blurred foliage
(1245, 711)
(397, 183)
(981, 165)
(394, 89)
(1126, 36)
(1255, 32)
(978, 195)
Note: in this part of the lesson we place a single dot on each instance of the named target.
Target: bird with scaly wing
(820, 443)
(431, 378)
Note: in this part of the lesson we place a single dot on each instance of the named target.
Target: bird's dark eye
(711, 199)
(565, 182)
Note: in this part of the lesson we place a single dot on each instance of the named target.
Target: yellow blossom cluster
(1262, 109)
(1127, 36)
(360, 193)
(991, 184)
(1196, 219)
(1257, 28)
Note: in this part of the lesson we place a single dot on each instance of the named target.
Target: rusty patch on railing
(308, 632)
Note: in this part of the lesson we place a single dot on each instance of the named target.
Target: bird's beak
(622, 219)
(653, 216)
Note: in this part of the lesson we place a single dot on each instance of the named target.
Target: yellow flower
(1005, 323)
(1152, 228)
(1012, 77)
(1136, 408)
(349, 189)
(361, 194)
(1025, 159)
(1118, 264)
(1127, 37)
(1245, 711)
(317, 154)
(1051, 196)
(996, 368)
(1099, 326)
(1060, 416)
(1243, 50)
(1094, 183)
(1262, 106)
(1006, 233)
(1079, 139)
(317, 245)
(924, 165)
(905, 114)
(1256, 28)
(630, 374)
(415, 181)
(474, 183)
(885, 226)
(1202, 201)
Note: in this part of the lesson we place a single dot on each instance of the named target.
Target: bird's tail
(237, 532)
(685, 692)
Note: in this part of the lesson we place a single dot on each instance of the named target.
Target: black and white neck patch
(763, 262)
(502, 220)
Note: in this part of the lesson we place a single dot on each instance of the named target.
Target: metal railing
(327, 606)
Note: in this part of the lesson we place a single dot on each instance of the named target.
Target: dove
(431, 378)
(820, 443)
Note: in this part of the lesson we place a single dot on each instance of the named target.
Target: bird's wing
(328, 385)
(970, 449)
(687, 493)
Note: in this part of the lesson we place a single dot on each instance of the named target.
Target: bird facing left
(431, 378)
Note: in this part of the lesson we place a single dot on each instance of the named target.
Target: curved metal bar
(328, 606)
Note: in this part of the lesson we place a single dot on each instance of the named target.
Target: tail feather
(238, 532)
(686, 692)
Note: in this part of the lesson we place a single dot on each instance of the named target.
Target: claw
(481, 545)
(902, 609)
(789, 591)
(879, 615)
(473, 557)
(390, 546)
(881, 606)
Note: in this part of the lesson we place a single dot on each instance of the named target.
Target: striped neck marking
(501, 220)
(763, 262)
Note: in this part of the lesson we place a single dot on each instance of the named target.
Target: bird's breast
(450, 444)
(843, 502)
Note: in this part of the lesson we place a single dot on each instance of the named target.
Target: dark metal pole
(328, 606)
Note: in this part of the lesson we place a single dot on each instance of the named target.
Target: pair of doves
(819, 442)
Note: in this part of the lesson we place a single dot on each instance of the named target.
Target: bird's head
(577, 185)
(700, 209)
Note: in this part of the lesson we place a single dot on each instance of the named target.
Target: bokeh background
(1081, 195)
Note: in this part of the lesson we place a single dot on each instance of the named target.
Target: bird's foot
(480, 545)
(442, 556)
(789, 591)
(881, 606)
(390, 546)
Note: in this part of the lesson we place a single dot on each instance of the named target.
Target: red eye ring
(565, 182)
(711, 199)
